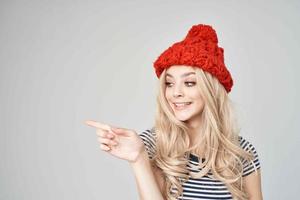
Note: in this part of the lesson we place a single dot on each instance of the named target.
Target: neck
(195, 134)
(194, 130)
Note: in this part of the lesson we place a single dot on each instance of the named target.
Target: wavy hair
(223, 154)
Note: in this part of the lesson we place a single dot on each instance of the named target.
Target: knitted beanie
(198, 49)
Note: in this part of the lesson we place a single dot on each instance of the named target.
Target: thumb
(121, 131)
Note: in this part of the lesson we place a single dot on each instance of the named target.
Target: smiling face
(183, 95)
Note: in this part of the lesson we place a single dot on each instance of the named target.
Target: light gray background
(63, 62)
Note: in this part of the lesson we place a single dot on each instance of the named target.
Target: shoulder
(148, 137)
(246, 145)
(252, 165)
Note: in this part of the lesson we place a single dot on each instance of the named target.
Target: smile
(182, 105)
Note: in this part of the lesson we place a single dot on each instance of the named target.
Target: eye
(168, 84)
(190, 84)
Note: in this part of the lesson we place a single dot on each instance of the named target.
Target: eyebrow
(183, 75)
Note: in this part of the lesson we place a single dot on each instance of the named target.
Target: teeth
(182, 104)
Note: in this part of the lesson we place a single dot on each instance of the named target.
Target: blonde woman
(194, 150)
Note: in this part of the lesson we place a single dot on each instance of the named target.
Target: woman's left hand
(128, 146)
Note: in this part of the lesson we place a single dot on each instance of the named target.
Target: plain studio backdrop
(64, 62)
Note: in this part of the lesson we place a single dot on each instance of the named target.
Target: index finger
(98, 125)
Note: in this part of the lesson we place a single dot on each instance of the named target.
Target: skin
(127, 145)
(181, 87)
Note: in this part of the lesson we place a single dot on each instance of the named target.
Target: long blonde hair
(219, 137)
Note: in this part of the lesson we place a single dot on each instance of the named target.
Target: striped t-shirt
(205, 187)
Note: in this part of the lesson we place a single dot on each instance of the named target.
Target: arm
(126, 144)
(252, 184)
(145, 178)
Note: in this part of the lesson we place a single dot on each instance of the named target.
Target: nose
(177, 92)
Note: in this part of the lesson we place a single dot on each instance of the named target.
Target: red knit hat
(199, 49)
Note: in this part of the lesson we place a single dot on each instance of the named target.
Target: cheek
(167, 95)
(195, 95)
(198, 98)
(201, 103)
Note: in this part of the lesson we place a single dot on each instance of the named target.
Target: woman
(194, 150)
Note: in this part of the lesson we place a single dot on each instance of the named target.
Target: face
(183, 95)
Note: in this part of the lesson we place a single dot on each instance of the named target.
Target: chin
(183, 118)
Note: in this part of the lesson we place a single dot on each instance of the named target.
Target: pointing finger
(98, 125)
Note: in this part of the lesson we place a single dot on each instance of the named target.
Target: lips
(181, 105)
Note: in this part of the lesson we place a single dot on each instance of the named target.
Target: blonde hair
(219, 138)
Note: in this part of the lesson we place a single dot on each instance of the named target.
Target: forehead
(180, 71)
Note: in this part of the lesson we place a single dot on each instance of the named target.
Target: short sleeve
(252, 165)
(148, 138)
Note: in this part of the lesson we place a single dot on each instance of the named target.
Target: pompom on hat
(198, 49)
